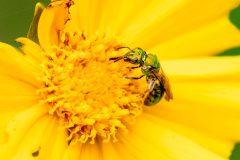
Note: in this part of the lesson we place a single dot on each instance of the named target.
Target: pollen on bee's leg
(88, 92)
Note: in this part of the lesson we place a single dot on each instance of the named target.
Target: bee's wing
(164, 80)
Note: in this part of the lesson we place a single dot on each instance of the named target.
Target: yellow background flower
(200, 123)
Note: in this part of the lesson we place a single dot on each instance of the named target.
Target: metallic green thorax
(152, 60)
(151, 64)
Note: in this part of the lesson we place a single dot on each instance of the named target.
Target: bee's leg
(115, 59)
(151, 85)
(135, 77)
(134, 67)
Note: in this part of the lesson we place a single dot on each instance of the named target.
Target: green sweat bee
(158, 83)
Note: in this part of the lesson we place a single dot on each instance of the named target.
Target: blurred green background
(15, 18)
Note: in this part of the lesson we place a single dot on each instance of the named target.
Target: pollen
(88, 93)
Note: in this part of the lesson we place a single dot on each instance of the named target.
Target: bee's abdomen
(154, 96)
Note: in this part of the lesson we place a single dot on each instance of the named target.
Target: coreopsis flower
(62, 98)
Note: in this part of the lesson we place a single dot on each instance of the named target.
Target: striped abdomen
(155, 95)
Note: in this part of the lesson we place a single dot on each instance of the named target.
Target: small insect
(158, 83)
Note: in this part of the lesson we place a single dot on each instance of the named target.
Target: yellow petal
(10, 87)
(73, 152)
(150, 20)
(205, 99)
(84, 15)
(149, 140)
(114, 18)
(8, 112)
(17, 128)
(52, 22)
(18, 66)
(15, 96)
(47, 34)
(83, 151)
(207, 40)
(205, 95)
(54, 142)
(89, 151)
(110, 151)
(30, 145)
(209, 107)
(138, 148)
(22, 121)
(218, 146)
(160, 26)
(31, 49)
(103, 15)
(204, 68)
(163, 21)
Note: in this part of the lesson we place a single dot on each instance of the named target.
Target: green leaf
(236, 152)
(234, 17)
(230, 52)
(32, 32)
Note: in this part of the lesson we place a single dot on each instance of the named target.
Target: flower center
(88, 93)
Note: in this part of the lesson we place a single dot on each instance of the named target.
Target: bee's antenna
(118, 48)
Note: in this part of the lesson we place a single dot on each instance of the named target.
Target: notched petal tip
(30, 48)
(52, 22)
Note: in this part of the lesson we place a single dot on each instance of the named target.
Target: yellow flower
(64, 99)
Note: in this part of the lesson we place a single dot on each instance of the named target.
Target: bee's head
(135, 56)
